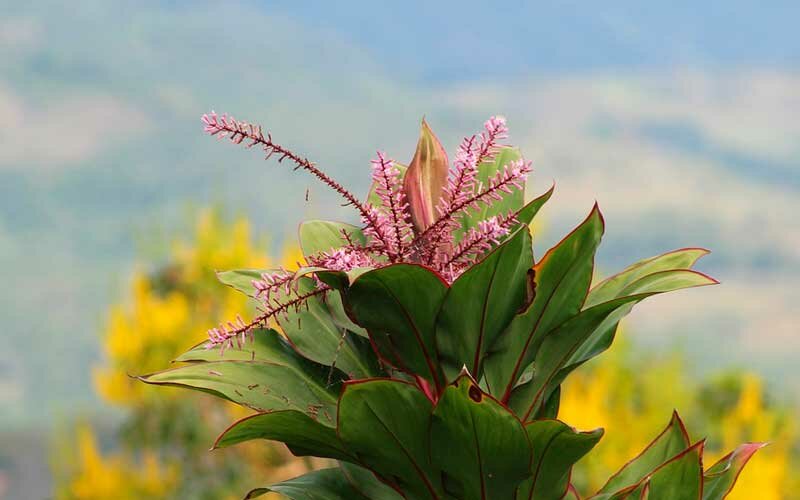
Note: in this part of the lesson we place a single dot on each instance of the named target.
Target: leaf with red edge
(678, 478)
(681, 478)
(367, 483)
(719, 479)
(529, 211)
(575, 340)
(670, 442)
(481, 303)
(572, 493)
(562, 279)
(311, 327)
(615, 286)
(425, 178)
(323, 484)
(384, 423)
(303, 435)
(478, 444)
(556, 448)
(397, 305)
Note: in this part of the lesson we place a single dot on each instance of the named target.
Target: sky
(680, 120)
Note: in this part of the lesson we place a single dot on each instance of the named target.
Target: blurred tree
(162, 443)
(630, 393)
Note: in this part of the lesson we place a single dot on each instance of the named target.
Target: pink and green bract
(424, 349)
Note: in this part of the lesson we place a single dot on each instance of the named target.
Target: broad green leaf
(325, 484)
(425, 178)
(582, 336)
(303, 435)
(311, 327)
(529, 211)
(552, 362)
(549, 410)
(719, 479)
(263, 345)
(280, 380)
(511, 202)
(367, 483)
(481, 447)
(556, 448)
(561, 280)
(681, 478)
(670, 443)
(649, 284)
(383, 423)
(572, 494)
(333, 300)
(314, 333)
(323, 236)
(481, 303)
(614, 286)
(397, 305)
(242, 279)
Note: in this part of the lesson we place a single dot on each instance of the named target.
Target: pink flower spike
(478, 241)
(495, 130)
(393, 216)
(344, 259)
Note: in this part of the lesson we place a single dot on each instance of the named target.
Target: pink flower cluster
(390, 235)
(391, 227)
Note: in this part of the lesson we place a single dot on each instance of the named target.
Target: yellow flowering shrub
(163, 442)
(632, 396)
(117, 476)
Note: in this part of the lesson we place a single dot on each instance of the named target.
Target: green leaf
(382, 422)
(511, 202)
(303, 435)
(556, 448)
(242, 279)
(549, 410)
(314, 333)
(479, 445)
(280, 380)
(582, 336)
(311, 327)
(397, 305)
(719, 479)
(681, 478)
(561, 280)
(481, 303)
(318, 236)
(325, 484)
(670, 443)
(529, 211)
(645, 286)
(333, 300)
(425, 178)
(615, 286)
(367, 483)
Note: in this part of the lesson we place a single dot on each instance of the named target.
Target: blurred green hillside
(681, 142)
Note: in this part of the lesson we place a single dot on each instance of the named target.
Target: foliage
(428, 347)
(626, 395)
(164, 436)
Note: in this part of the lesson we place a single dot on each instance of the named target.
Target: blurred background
(680, 119)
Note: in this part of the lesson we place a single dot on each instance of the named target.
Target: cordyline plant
(424, 349)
